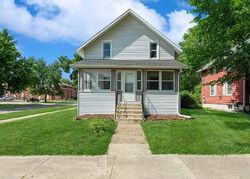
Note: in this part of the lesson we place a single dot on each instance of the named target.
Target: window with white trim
(96, 80)
(160, 80)
(89, 80)
(104, 80)
(167, 80)
(153, 50)
(227, 89)
(213, 90)
(106, 50)
(153, 79)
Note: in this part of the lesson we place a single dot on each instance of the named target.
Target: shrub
(101, 126)
(189, 100)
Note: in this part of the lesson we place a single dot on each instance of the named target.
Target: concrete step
(130, 116)
(129, 111)
(129, 107)
(130, 119)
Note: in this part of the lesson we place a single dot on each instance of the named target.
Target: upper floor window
(153, 50)
(106, 50)
(227, 89)
(213, 90)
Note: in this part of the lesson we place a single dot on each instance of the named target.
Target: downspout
(179, 100)
(244, 94)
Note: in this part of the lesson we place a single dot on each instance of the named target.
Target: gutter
(179, 100)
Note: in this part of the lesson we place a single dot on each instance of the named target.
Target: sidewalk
(34, 115)
(126, 166)
(129, 139)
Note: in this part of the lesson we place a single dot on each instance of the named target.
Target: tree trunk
(45, 97)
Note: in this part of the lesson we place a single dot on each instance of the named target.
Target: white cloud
(179, 22)
(75, 21)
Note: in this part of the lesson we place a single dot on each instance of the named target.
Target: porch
(105, 85)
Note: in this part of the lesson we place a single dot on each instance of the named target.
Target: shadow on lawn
(238, 125)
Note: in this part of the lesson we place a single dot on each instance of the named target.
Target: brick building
(227, 96)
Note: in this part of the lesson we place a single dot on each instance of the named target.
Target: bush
(190, 100)
(101, 126)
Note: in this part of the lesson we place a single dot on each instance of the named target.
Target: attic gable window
(153, 50)
(106, 50)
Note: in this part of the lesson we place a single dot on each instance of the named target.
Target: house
(228, 96)
(129, 69)
(68, 92)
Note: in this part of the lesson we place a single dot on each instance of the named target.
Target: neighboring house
(68, 92)
(129, 65)
(227, 96)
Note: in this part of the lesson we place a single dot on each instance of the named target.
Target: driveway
(126, 166)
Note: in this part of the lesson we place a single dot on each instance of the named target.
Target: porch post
(113, 79)
(144, 81)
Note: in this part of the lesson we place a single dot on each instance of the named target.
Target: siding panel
(130, 40)
(96, 103)
(156, 103)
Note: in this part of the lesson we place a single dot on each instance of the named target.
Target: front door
(128, 85)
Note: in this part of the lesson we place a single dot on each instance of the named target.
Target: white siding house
(129, 61)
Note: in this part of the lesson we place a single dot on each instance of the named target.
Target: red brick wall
(237, 92)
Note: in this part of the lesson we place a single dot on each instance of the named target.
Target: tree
(65, 63)
(221, 36)
(14, 70)
(47, 79)
(66, 81)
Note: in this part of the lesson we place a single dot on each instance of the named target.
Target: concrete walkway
(128, 139)
(34, 115)
(126, 166)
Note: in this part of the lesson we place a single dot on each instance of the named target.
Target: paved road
(126, 166)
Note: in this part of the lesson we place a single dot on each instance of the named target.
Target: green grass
(211, 132)
(31, 112)
(53, 134)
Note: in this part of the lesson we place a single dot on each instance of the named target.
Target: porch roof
(130, 64)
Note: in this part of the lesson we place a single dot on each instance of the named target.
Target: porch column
(113, 79)
(177, 76)
(144, 80)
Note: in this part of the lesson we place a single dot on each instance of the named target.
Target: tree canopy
(46, 79)
(65, 65)
(15, 71)
(221, 36)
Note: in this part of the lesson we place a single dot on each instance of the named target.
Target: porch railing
(118, 99)
(140, 98)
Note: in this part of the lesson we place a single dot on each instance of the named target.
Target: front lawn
(211, 132)
(53, 134)
(32, 111)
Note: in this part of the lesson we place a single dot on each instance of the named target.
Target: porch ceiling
(129, 64)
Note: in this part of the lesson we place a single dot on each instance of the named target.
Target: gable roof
(117, 20)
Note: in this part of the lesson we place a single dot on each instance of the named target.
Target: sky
(50, 28)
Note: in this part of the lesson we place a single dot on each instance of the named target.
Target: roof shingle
(130, 64)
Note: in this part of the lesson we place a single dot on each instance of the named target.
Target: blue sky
(50, 28)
